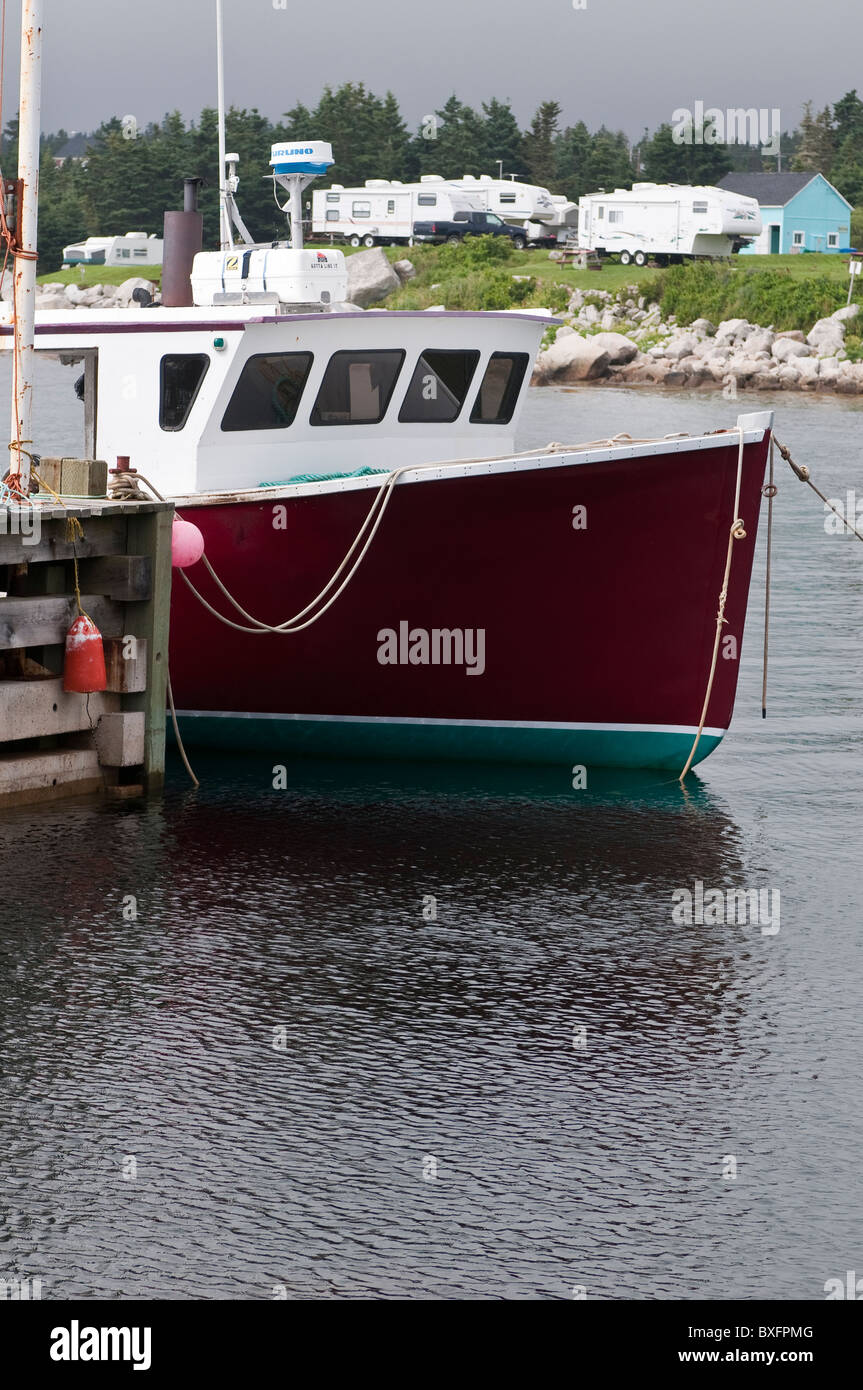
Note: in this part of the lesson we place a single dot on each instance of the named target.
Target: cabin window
(267, 395)
(495, 404)
(798, 239)
(439, 387)
(699, 207)
(333, 215)
(507, 197)
(333, 197)
(833, 240)
(362, 210)
(460, 217)
(615, 215)
(180, 379)
(600, 213)
(427, 200)
(391, 206)
(357, 387)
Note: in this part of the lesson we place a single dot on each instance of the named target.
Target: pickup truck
(469, 224)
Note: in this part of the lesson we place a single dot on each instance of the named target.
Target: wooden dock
(55, 744)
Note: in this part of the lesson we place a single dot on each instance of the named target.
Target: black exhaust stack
(184, 238)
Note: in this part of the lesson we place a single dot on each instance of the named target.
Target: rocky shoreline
(623, 339)
(605, 339)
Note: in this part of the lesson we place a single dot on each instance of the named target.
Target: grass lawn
(101, 275)
(614, 276)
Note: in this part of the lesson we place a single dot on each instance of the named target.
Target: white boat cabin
(237, 396)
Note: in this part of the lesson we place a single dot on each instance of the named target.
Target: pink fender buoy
(84, 666)
(187, 544)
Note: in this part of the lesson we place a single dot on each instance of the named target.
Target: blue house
(799, 212)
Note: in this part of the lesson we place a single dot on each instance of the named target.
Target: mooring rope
(736, 533)
(803, 474)
(769, 491)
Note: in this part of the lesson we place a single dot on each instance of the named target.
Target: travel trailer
(135, 248)
(667, 221)
(514, 202)
(554, 231)
(383, 211)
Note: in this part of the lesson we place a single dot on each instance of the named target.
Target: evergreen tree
(572, 150)
(456, 146)
(538, 150)
(367, 133)
(609, 163)
(501, 138)
(817, 141)
(665, 161)
(848, 118)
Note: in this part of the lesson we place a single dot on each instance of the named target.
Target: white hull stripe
(454, 723)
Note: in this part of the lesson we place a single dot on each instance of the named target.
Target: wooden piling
(53, 743)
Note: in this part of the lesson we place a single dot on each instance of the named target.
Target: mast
(30, 121)
(227, 238)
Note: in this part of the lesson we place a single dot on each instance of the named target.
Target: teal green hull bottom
(299, 736)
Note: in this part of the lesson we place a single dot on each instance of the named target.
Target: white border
(455, 723)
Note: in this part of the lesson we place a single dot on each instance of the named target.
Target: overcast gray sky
(628, 63)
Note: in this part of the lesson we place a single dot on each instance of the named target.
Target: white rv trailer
(135, 248)
(562, 224)
(667, 221)
(384, 211)
(513, 201)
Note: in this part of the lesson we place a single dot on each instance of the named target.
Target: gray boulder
(405, 270)
(785, 348)
(703, 326)
(620, 349)
(127, 289)
(735, 330)
(370, 277)
(684, 346)
(759, 341)
(850, 311)
(827, 335)
(573, 358)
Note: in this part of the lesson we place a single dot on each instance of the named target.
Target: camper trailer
(135, 248)
(514, 202)
(383, 211)
(666, 221)
(559, 228)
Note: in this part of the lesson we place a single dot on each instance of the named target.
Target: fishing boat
(383, 574)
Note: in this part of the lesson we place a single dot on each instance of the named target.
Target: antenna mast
(227, 237)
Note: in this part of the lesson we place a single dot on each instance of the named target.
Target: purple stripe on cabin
(80, 328)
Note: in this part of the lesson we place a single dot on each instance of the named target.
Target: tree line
(129, 177)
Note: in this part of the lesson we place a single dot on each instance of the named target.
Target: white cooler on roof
(269, 275)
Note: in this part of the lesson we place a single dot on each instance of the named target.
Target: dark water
(323, 1089)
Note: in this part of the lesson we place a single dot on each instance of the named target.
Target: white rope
(292, 625)
(736, 533)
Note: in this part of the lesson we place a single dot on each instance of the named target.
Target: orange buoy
(84, 667)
